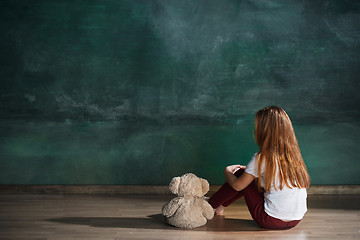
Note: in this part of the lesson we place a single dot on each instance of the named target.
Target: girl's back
(286, 204)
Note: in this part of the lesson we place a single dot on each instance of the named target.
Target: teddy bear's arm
(208, 211)
(170, 208)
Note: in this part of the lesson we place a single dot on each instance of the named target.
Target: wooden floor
(138, 217)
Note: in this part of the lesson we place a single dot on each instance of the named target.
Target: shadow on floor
(157, 221)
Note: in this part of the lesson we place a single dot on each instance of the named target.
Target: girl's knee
(239, 172)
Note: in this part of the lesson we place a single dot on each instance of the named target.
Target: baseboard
(142, 189)
(84, 189)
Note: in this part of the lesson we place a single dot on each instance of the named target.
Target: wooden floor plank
(138, 217)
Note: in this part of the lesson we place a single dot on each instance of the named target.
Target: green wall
(137, 92)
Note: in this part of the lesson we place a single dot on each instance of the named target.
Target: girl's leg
(238, 173)
(222, 196)
(226, 194)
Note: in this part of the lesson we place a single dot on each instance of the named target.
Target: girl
(277, 199)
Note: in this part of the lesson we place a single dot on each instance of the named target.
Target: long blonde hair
(279, 149)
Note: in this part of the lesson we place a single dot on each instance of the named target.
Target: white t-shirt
(286, 204)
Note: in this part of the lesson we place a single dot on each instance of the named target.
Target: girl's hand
(233, 168)
(237, 183)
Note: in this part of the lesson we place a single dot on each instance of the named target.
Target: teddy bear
(189, 209)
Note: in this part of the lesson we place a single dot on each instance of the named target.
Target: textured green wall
(136, 92)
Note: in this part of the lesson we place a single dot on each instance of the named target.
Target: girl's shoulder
(251, 166)
(255, 157)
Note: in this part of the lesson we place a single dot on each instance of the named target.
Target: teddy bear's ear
(204, 185)
(174, 185)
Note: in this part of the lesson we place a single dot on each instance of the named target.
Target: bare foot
(219, 210)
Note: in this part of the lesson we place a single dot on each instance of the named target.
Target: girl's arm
(237, 183)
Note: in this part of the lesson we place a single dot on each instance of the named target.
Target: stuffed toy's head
(189, 185)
